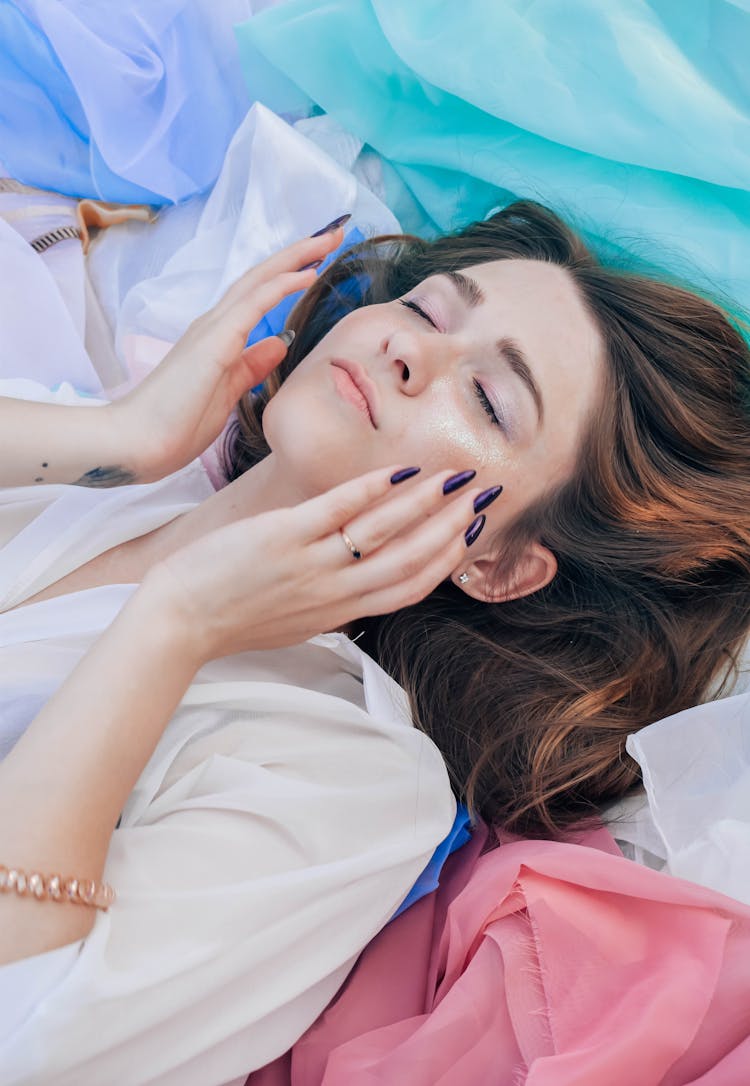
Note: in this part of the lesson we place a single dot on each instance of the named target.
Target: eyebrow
(469, 291)
(508, 349)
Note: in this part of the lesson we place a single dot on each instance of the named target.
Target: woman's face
(497, 369)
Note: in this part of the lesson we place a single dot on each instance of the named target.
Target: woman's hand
(281, 577)
(175, 413)
(271, 580)
(178, 410)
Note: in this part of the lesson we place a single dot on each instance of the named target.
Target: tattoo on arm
(110, 475)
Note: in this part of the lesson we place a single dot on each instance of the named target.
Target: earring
(463, 578)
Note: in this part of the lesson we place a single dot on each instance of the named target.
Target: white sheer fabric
(692, 817)
(696, 773)
(52, 326)
(275, 187)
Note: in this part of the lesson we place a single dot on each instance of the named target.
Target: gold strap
(56, 888)
(87, 211)
(52, 237)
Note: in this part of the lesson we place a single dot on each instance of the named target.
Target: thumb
(263, 358)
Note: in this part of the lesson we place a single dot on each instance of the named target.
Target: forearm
(63, 786)
(62, 443)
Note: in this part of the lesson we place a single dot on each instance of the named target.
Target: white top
(285, 814)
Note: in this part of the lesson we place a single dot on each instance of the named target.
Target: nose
(418, 359)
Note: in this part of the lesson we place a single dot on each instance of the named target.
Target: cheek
(449, 435)
(291, 421)
(298, 448)
(312, 444)
(267, 423)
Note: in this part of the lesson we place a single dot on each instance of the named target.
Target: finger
(413, 563)
(328, 513)
(315, 247)
(256, 363)
(400, 511)
(406, 592)
(238, 313)
(291, 258)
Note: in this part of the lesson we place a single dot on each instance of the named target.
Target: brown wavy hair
(530, 701)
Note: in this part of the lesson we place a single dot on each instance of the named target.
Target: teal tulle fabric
(631, 118)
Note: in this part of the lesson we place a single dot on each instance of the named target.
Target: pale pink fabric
(542, 963)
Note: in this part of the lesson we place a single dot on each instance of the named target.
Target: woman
(605, 586)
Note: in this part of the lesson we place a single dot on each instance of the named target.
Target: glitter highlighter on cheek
(452, 428)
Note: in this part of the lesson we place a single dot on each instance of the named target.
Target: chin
(309, 450)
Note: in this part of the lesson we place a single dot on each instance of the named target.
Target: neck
(260, 490)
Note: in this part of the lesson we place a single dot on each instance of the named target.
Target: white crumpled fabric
(696, 775)
(275, 186)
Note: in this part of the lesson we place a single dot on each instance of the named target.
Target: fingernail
(287, 337)
(333, 225)
(474, 529)
(457, 481)
(486, 498)
(312, 264)
(405, 473)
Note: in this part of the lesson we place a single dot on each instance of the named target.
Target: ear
(534, 570)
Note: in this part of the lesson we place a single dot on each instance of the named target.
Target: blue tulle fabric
(632, 118)
(429, 880)
(131, 102)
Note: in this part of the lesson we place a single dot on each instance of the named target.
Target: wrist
(164, 609)
(129, 446)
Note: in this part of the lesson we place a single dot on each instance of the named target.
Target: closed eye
(479, 391)
(409, 304)
(482, 397)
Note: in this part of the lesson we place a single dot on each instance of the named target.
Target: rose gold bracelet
(56, 888)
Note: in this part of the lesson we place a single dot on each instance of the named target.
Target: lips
(363, 384)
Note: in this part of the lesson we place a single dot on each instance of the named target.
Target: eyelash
(482, 397)
(480, 393)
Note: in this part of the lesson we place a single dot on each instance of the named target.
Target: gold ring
(353, 548)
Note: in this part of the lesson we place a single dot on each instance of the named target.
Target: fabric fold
(547, 963)
(631, 118)
(118, 98)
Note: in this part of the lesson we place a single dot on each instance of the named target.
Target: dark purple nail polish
(474, 529)
(457, 481)
(312, 264)
(287, 336)
(404, 473)
(331, 226)
(486, 498)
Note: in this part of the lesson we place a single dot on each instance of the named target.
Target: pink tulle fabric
(544, 963)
